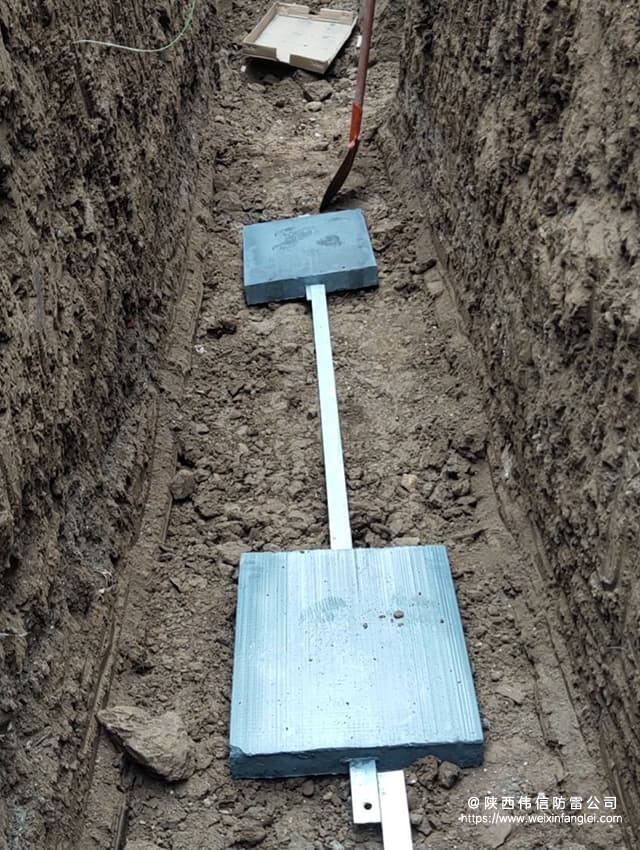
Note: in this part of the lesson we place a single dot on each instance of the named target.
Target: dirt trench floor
(419, 471)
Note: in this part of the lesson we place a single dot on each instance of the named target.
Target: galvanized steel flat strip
(365, 802)
(337, 502)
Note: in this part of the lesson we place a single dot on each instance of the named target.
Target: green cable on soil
(168, 46)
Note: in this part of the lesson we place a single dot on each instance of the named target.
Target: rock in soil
(512, 692)
(308, 788)
(249, 833)
(183, 485)
(141, 844)
(448, 774)
(317, 90)
(159, 743)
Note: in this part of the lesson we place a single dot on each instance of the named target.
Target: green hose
(168, 46)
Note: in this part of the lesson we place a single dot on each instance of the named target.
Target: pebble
(513, 692)
(448, 774)
(203, 760)
(183, 485)
(314, 106)
(308, 788)
(260, 815)
(230, 552)
(422, 266)
(435, 287)
(250, 833)
(409, 482)
(406, 541)
(424, 827)
(317, 90)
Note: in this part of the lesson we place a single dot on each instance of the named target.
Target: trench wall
(98, 152)
(520, 123)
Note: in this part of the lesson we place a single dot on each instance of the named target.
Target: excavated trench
(487, 393)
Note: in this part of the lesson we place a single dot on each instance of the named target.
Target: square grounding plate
(344, 654)
(283, 257)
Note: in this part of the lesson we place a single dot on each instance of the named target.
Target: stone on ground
(183, 485)
(318, 90)
(159, 743)
(448, 774)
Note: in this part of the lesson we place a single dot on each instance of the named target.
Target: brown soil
(233, 399)
(527, 152)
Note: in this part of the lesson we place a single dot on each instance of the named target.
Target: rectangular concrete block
(281, 258)
(344, 654)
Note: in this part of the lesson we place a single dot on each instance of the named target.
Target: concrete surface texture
(349, 654)
(283, 257)
(490, 380)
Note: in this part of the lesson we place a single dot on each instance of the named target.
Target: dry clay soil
(246, 424)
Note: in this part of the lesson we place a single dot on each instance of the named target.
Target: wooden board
(289, 33)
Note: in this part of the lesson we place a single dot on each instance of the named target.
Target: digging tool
(366, 25)
(346, 660)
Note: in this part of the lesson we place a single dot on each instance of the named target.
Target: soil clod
(249, 833)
